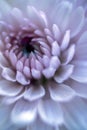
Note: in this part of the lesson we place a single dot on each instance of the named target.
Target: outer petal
(61, 92)
(42, 5)
(75, 114)
(61, 13)
(9, 88)
(34, 93)
(24, 112)
(6, 9)
(80, 72)
(50, 112)
(79, 88)
(76, 25)
(38, 124)
(81, 48)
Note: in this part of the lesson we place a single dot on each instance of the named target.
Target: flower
(43, 65)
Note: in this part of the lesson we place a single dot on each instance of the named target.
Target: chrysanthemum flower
(43, 65)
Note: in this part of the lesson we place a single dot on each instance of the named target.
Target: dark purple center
(26, 44)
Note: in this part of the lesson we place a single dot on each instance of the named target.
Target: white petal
(83, 38)
(49, 72)
(54, 62)
(80, 73)
(10, 100)
(26, 71)
(56, 32)
(9, 74)
(36, 73)
(61, 14)
(55, 49)
(5, 4)
(46, 60)
(75, 114)
(64, 73)
(3, 61)
(19, 65)
(66, 40)
(79, 88)
(34, 93)
(40, 124)
(35, 17)
(4, 114)
(39, 33)
(68, 54)
(76, 21)
(13, 58)
(1, 45)
(18, 3)
(61, 92)
(81, 48)
(50, 112)
(38, 65)
(50, 39)
(8, 88)
(24, 112)
(21, 78)
(17, 14)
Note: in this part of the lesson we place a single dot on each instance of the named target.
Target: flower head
(43, 78)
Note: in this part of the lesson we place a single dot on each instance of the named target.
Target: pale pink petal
(8, 74)
(49, 72)
(21, 78)
(36, 73)
(54, 62)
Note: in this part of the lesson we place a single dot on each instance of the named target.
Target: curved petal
(61, 92)
(81, 48)
(42, 5)
(76, 25)
(3, 61)
(75, 114)
(4, 114)
(34, 93)
(50, 112)
(61, 13)
(80, 73)
(41, 125)
(9, 88)
(21, 78)
(24, 112)
(6, 9)
(64, 73)
(79, 88)
(68, 55)
(83, 38)
(65, 41)
(8, 74)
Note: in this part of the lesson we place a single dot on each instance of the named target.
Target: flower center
(27, 45)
